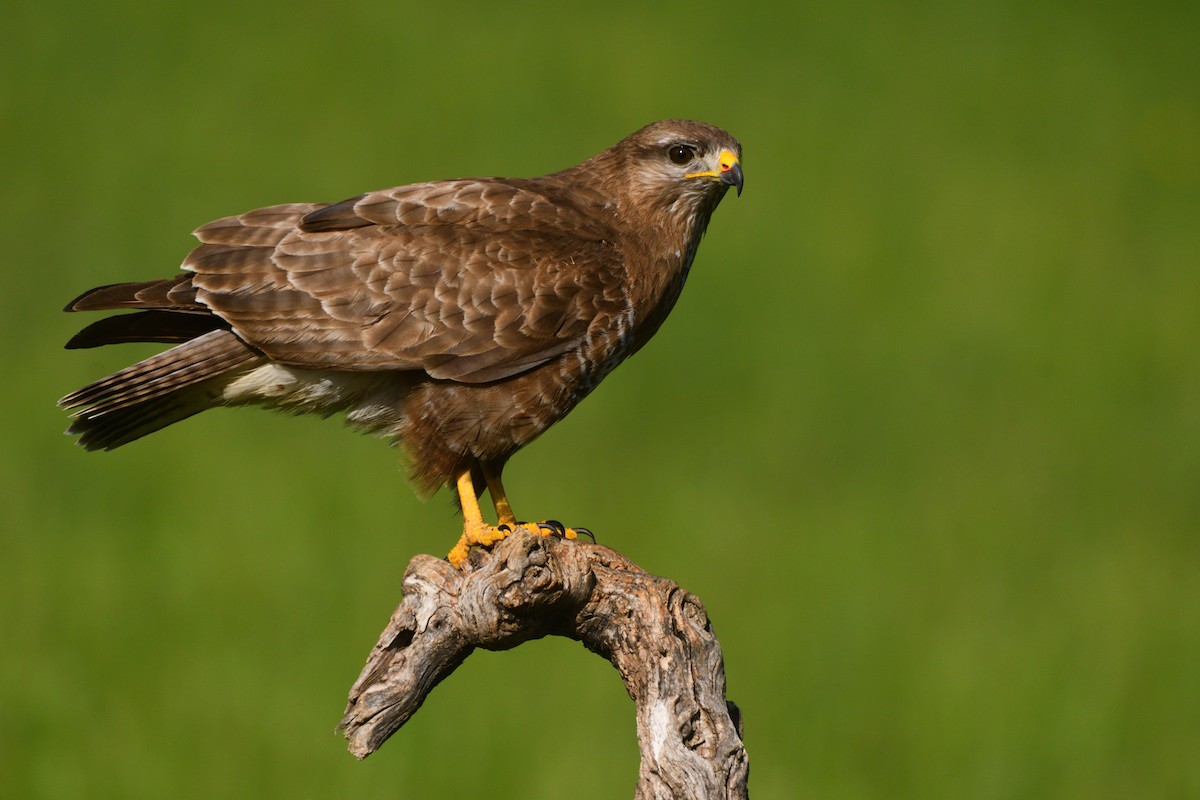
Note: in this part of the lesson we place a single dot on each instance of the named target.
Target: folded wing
(472, 281)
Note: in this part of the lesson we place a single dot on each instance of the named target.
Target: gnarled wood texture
(656, 635)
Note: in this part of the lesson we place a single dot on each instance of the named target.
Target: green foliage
(923, 433)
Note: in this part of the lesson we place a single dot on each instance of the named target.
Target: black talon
(504, 527)
(554, 525)
(587, 533)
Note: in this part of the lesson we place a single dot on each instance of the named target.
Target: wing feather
(472, 281)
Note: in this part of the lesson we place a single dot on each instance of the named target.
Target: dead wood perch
(655, 634)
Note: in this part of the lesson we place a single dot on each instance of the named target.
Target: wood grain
(657, 635)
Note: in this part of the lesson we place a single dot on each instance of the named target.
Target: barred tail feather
(115, 428)
(158, 391)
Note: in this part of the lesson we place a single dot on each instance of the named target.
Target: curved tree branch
(656, 635)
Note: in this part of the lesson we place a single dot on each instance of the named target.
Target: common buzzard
(462, 318)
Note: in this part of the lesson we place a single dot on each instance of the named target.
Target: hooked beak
(728, 171)
(731, 170)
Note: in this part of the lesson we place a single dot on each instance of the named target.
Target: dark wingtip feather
(169, 327)
(336, 217)
(81, 303)
(170, 293)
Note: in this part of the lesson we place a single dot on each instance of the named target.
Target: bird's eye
(681, 154)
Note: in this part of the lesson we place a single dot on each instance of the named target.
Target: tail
(162, 389)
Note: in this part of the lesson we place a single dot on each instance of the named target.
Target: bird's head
(677, 168)
(683, 157)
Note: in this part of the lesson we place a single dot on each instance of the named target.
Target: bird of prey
(460, 318)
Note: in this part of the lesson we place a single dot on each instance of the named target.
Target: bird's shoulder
(471, 279)
(546, 205)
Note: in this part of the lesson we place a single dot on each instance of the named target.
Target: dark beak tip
(733, 177)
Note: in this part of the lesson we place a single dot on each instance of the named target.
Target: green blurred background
(923, 433)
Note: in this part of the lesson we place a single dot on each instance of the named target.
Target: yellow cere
(726, 161)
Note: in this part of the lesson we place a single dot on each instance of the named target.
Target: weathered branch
(655, 634)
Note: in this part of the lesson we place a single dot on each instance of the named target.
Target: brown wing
(472, 280)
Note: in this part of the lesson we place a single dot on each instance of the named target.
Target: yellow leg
(478, 532)
(504, 514)
(475, 530)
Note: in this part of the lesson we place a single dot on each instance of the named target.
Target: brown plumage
(461, 317)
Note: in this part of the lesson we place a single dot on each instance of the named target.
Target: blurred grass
(924, 432)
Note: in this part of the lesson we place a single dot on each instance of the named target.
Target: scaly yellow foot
(476, 533)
